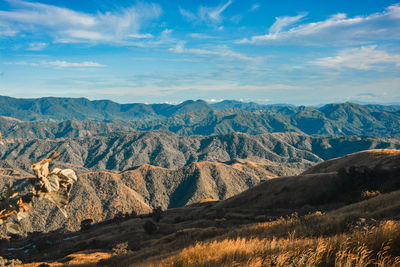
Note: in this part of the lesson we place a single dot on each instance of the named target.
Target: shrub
(157, 214)
(121, 248)
(150, 227)
(86, 224)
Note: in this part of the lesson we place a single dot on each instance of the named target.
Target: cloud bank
(363, 58)
(69, 26)
(337, 29)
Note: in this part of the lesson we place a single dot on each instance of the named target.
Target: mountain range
(138, 171)
(215, 169)
(122, 151)
(73, 117)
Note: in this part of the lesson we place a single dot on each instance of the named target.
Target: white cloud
(21, 63)
(200, 36)
(42, 14)
(65, 64)
(140, 36)
(213, 87)
(337, 29)
(214, 13)
(7, 30)
(255, 6)
(37, 46)
(187, 14)
(238, 17)
(213, 100)
(148, 40)
(59, 64)
(79, 34)
(221, 51)
(282, 22)
(206, 14)
(66, 25)
(362, 58)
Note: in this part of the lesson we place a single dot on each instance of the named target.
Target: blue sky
(299, 52)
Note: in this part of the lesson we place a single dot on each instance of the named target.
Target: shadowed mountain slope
(326, 186)
(377, 158)
(336, 194)
(102, 195)
(122, 151)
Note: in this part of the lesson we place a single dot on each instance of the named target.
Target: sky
(297, 52)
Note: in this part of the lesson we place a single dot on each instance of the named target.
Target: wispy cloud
(362, 58)
(238, 17)
(200, 36)
(220, 51)
(337, 29)
(140, 36)
(255, 6)
(7, 30)
(42, 14)
(206, 14)
(65, 64)
(68, 25)
(37, 46)
(281, 23)
(21, 63)
(165, 38)
(59, 64)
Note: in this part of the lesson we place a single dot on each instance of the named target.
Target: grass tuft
(368, 246)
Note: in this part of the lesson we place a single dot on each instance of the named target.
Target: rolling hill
(101, 195)
(319, 224)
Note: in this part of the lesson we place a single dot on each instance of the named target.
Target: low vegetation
(293, 241)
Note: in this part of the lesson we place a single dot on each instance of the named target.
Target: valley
(197, 173)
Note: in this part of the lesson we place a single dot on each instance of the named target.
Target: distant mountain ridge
(81, 109)
(79, 117)
(122, 151)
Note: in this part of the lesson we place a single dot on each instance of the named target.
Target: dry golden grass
(369, 246)
(348, 236)
(371, 158)
(86, 258)
(205, 200)
(369, 194)
(384, 151)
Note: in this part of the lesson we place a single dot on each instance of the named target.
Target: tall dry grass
(362, 246)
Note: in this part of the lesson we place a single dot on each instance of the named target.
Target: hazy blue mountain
(250, 106)
(80, 109)
(88, 118)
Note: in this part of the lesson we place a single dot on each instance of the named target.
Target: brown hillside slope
(254, 213)
(122, 151)
(386, 158)
(327, 185)
(100, 195)
(96, 195)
